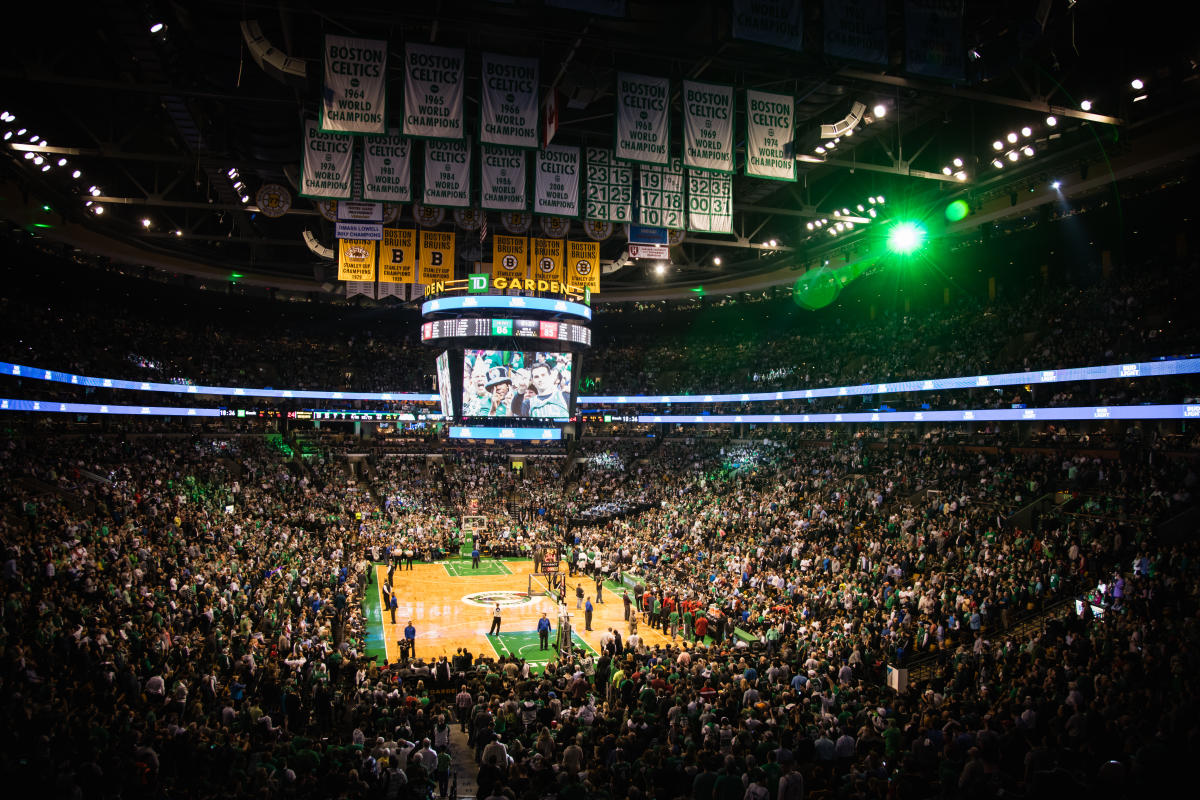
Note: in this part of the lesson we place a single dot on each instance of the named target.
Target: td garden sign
(483, 283)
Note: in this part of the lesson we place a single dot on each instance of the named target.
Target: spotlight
(45, 168)
(1086, 105)
(819, 222)
(849, 132)
(1056, 185)
(860, 206)
(841, 226)
(880, 111)
(1052, 121)
(232, 173)
(809, 226)
(28, 156)
(946, 170)
(1140, 98)
(38, 160)
(845, 212)
(95, 192)
(245, 198)
(1027, 131)
(1013, 155)
(1012, 138)
(145, 222)
(830, 145)
(156, 27)
(871, 200)
(819, 150)
(1137, 83)
(33, 138)
(881, 200)
(1028, 151)
(958, 162)
(62, 162)
(871, 213)
(849, 226)
(773, 243)
(98, 209)
(76, 174)
(660, 268)
(21, 132)
(7, 135)
(960, 176)
(905, 237)
(997, 163)
(178, 232)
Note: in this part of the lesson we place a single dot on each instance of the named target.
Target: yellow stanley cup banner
(398, 256)
(356, 260)
(510, 257)
(547, 262)
(583, 265)
(437, 257)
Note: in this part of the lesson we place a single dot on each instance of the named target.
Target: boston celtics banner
(433, 91)
(609, 187)
(583, 265)
(770, 151)
(356, 260)
(387, 168)
(775, 22)
(710, 202)
(502, 179)
(661, 197)
(437, 257)
(398, 256)
(557, 184)
(933, 37)
(448, 173)
(508, 107)
(510, 257)
(352, 99)
(643, 125)
(328, 158)
(855, 29)
(707, 126)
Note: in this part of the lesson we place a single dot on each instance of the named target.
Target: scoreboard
(476, 327)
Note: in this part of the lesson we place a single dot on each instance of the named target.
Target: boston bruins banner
(557, 190)
(502, 179)
(356, 260)
(707, 126)
(710, 202)
(508, 109)
(433, 91)
(398, 256)
(448, 173)
(437, 257)
(510, 257)
(328, 158)
(352, 99)
(770, 151)
(387, 168)
(547, 261)
(583, 265)
(609, 187)
(643, 124)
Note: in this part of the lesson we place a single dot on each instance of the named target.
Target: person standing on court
(495, 620)
(628, 604)
(410, 636)
(393, 604)
(537, 559)
(475, 556)
(543, 629)
(587, 615)
(578, 595)
(599, 588)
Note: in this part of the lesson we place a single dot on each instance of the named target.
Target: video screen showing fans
(516, 384)
(443, 385)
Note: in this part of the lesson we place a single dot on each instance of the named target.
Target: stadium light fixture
(946, 170)
(146, 222)
(156, 27)
(880, 111)
(1086, 105)
(717, 260)
(7, 135)
(1137, 83)
(76, 174)
(1056, 185)
(178, 232)
(906, 237)
(98, 209)
(958, 162)
(1027, 131)
(1051, 120)
(62, 162)
(997, 163)
(28, 156)
(46, 168)
(1012, 137)
(660, 268)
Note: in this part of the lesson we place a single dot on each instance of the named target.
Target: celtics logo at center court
(491, 599)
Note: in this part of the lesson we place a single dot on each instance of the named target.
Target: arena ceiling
(156, 119)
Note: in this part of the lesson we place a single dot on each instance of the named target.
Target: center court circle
(490, 599)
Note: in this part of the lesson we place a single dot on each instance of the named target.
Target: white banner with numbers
(328, 157)
(707, 126)
(387, 168)
(643, 124)
(448, 173)
(556, 191)
(433, 91)
(609, 187)
(508, 107)
(502, 179)
(353, 97)
(661, 196)
(770, 149)
(710, 202)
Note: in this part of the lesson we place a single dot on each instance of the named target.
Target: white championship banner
(775, 22)
(508, 108)
(609, 187)
(387, 168)
(661, 197)
(710, 202)
(328, 157)
(502, 179)
(770, 150)
(433, 91)
(556, 191)
(707, 126)
(643, 124)
(354, 94)
(447, 173)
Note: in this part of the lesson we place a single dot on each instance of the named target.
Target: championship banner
(353, 97)
(433, 91)
(774, 22)
(437, 257)
(508, 109)
(387, 168)
(583, 265)
(510, 257)
(360, 287)
(854, 29)
(448, 173)
(707, 126)
(643, 124)
(661, 196)
(398, 256)
(356, 260)
(557, 189)
(502, 179)
(770, 150)
(328, 158)
(933, 35)
(710, 202)
(609, 187)
(547, 260)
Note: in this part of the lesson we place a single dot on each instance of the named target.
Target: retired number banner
(557, 191)
(433, 91)
(770, 151)
(398, 256)
(387, 168)
(355, 85)
(502, 179)
(356, 260)
(583, 265)
(448, 174)
(609, 187)
(662, 196)
(510, 257)
(707, 126)
(437, 256)
(508, 113)
(328, 159)
(710, 202)
(643, 124)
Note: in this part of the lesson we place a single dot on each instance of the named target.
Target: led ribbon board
(522, 434)
(1172, 411)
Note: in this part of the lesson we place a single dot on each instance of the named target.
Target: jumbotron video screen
(516, 384)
